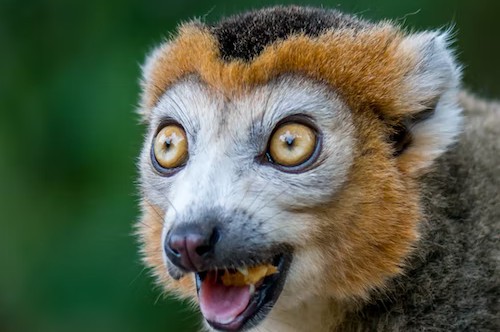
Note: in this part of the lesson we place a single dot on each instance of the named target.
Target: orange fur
(375, 216)
(149, 230)
(365, 68)
(377, 212)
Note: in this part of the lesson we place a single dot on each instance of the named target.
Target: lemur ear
(431, 89)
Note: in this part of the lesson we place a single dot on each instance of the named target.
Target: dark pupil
(289, 140)
(168, 143)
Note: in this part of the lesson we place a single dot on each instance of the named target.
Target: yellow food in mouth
(248, 276)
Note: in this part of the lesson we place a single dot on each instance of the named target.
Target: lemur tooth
(252, 289)
(243, 270)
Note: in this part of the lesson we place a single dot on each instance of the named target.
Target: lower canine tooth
(252, 289)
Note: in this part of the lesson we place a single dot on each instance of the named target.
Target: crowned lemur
(307, 170)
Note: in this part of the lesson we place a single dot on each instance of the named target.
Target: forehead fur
(244, 36)
(363, 62)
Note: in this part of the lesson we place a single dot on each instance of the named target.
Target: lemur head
(291, 138)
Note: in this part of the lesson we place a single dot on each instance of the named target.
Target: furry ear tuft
(431, 89)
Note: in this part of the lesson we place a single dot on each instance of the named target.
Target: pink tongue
(222, 304)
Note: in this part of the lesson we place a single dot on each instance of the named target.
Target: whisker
(157, 299)
(159, 218)
(257, 197)
(137, 277)
(272, 199)
(145, 224)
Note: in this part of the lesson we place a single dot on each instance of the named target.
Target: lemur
(308, 170)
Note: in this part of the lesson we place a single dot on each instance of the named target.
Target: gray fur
(453, 281)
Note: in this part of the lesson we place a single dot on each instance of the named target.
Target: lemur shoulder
(307, 170)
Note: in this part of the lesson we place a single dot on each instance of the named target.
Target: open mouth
(237, 299)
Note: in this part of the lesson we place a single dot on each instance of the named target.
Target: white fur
(222, 147)
(436, 77)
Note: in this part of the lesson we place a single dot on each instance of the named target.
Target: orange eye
(292, 144)
(171, 147)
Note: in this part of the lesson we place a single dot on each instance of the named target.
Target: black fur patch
(244, 36)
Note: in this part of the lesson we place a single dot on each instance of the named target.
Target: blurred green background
(69, 140)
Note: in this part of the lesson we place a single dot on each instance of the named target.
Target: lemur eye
(292, 144)
(170, 147)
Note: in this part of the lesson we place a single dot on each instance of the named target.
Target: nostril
(202, 250)
(174, 245)
(212, 241)
(215, 237)
(175, 252)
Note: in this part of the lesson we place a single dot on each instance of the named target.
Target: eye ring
(169, 149)
(308, 148)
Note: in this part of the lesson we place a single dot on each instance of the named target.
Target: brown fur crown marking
(366, 61)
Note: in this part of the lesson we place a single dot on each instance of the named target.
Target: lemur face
(254, 168)
(298, 158)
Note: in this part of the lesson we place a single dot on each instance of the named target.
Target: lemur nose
(190, 247)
